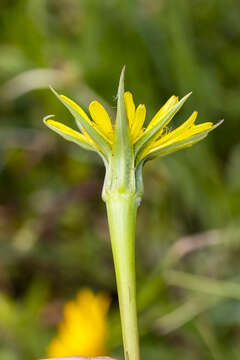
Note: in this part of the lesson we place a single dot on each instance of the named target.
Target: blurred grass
(53, 232)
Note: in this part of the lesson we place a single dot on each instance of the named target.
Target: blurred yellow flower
(83, 331)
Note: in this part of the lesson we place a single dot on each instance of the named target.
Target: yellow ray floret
(101, 119)
(174, 134)
(139, 119)
(163, 111)
(81, 112)
(183, 132)
(83, 331)
(68, 131)
(130, 107)
(76, 107)
(136, 117)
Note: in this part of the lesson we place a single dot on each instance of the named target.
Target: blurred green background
(53, 230)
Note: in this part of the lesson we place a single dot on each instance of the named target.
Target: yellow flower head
(129, 142)
(83, 331)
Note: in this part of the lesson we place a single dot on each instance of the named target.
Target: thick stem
(122, 210)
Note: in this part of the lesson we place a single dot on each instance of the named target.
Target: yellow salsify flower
(83, 331)
(158, 143)
(129, 143)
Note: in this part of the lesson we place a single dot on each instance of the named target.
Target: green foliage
(54, 237)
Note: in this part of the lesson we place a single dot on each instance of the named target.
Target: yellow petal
(67, 130)
(175, 133)
(76, 107)
(163, 110)
(182, 134)
(101, 118)
(189, 122)
(191, 131)
(82, 114)
(138, 122)
(130, 107)
(201, 127)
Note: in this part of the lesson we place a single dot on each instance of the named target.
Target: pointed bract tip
(183, 99)
(189, 94)
(122, 73)
(53, 90)
(46, 118)
(219, 122)
(121, 82)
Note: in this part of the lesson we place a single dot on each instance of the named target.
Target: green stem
(122, 211)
